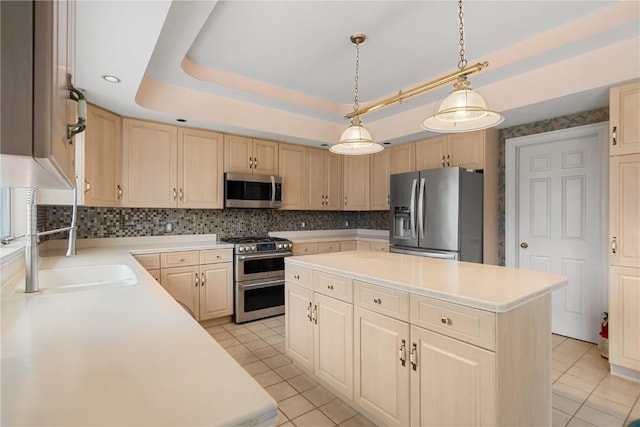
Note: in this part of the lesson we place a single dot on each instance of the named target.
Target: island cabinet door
(381, 377)
(333, 339)
(452, 383)
(182, 285)
(299, 325)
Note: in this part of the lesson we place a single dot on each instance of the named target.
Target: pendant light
(463, 109)
(356, 139)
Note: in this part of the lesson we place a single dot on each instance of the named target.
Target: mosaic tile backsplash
(96, 222)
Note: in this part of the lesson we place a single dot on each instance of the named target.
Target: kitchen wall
(128, 222)
(564, 122)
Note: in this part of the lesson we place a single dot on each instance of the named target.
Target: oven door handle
(261, 285)
(262, 256)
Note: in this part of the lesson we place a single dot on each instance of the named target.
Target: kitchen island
(118, 353)
(418, 341)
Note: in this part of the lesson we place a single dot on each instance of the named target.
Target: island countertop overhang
(486, 287)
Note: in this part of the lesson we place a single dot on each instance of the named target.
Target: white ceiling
(284, 69)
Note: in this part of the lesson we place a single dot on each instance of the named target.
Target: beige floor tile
(272, 323)
(215, 329)
(577, 422)
(254, 345)
(318, 395)
(588, 374)
(578, 382)
(232, 326)
(617, 395)
(247, 337)
(256, 368)
(338, 411)
(281, 391)
(266, 352)
(279, 329)
(237, 349)
(229, 342)
(282, 418)
(280, 347)
(608, 406)
(287, 424)
(277, 361)
(570, 392)
(266, 333)
(634, 415)
(313, 418)
(557, 340)
(599, 418)
(245, 358)
(564, 404)
(559, 365)
(276, 339)
(559, 418)
(357, 421)
(257, 326)
(565, 357)
(302, 383)
(626, 386)
(267, 378)
(288, 371)
(555, 374)
(295, 406)
(240, 331)
(222, 335)
(571, 345)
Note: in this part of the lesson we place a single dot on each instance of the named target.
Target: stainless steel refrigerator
(437, 213)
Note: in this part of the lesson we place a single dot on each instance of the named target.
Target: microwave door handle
(273, 189)
(421, 208)
(412, 208)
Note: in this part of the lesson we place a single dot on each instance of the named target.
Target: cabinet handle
(442, 161)
(330, 287)
(77, 96)
(614, 135)
(614, 245)
(87, 186)
(387, 199)
(377, 300)
(203, 279)
(296, 276)
(175, 194)
(345, 200)
(181, 194)
(250, 163)
(255, 163)
(315, 314)
(445, 320)
(197, 280)
(448, 162)
(119, 191)
(309, 313)
(413, 357)
(402, 353)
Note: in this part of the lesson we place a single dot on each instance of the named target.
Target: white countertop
(125, 355)
(333, 235)
(487, 287)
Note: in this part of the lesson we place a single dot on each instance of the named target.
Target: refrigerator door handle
(420, 208)
(412, 208)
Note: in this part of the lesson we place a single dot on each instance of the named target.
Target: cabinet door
(333, 181)
(102, 158)
(402, 158)
(298, 325)
(292, 172)
(624, 317)
(466, 150)
(452, 384)
(265, 157)
(216, 290)
(315, 188)
(200, 163)
(624, 110)
(431, 153)
(356, 183)
(624, 205)
(182, 285)
(380, 181)
(150, 162)
(381, 377)
(238, 154)
(333, 343)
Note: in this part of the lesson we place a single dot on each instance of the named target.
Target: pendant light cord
(463, 62)
(356, 106)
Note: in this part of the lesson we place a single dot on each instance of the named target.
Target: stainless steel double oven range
(258, 276)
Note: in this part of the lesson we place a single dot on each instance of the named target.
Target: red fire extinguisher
(604, 334)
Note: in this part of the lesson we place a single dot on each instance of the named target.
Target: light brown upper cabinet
(624, 110)
(356, 183)
(324, 180)
(293, 174)
(167, 168)
(248, 155)
(402, 158)
(379, 163)
(102, 158)
(459, 149)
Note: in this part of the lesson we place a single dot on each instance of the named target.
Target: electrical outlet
(303, 224)
(346, 224)
(168, 227)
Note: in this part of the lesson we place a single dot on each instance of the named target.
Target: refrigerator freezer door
(403, 209)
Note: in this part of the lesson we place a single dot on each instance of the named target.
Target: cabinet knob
(181, 259)
(445, 320)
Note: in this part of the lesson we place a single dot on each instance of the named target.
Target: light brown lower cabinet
(624, 317)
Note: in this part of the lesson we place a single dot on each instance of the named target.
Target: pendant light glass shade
(356, 140)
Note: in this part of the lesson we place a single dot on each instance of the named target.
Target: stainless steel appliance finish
(437, 213)
(252, 191)
(258, 276)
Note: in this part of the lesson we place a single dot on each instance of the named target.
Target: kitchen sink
(85, 278)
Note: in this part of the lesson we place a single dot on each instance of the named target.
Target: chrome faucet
(32, 254)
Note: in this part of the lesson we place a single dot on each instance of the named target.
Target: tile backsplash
(94, 222)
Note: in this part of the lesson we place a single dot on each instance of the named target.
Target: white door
(556, 219)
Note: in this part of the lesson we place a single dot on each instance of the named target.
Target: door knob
(524, 245)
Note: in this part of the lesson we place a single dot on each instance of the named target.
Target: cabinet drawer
(334, 286)
(214, 256)
(348, 245)
(305, 248)
(464, 323)
(298, 275)
(324, 247)
(178, 259)
(148, 261)
(379, 246)
(390, 302)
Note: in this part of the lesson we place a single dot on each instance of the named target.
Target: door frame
(512, 150)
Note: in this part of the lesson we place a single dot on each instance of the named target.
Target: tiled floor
(584, 394)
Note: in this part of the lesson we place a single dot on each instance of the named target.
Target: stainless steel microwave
(252, 191)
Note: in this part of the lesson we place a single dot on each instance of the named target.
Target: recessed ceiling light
(181, 120)
(111, 79)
